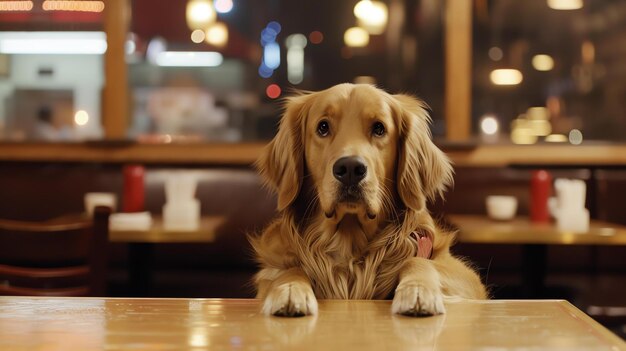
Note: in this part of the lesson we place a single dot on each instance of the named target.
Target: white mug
(500, 207)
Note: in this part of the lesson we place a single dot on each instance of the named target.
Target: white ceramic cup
(501, 207)
(92, 200)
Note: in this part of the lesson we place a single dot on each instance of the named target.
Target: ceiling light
(197, 36)
(565, 4)
(200, 14)
(556, 138)
(223, 6)
(81, 117)
(356, 37)
(217, 34)
(489, 125)
(10, 6)
(74, 5)
(295, 57)
(271, 55)
(371, 15)
(189, 59)
(53, 43)
(506, 77)
(543, 62)
(156, 46)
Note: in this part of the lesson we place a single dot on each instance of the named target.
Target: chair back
(61, 257)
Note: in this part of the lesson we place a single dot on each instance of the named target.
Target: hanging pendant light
(200, 14)
(371, 15)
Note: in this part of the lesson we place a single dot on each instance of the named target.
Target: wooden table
(534, 239)
(141, 246)
(212, 324)
(206, 233)
(482, 230)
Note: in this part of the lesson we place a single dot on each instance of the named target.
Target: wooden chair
(63, 257)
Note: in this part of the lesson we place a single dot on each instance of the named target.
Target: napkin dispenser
(568, 208)
(181, 211)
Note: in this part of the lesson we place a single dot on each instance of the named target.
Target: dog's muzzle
(350, 170)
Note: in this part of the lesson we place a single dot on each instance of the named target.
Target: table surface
(482, 230)
(206, 233)
(29, 323)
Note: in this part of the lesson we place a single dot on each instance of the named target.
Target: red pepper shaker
(133, 188)
(540, 189)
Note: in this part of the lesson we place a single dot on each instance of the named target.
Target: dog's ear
(281, 163)
(424, 171)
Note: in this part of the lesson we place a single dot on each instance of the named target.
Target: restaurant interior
(129, 131)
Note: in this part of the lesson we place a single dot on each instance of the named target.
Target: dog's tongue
(424, 244)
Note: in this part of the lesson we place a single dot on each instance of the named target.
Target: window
(203, 70)
(549, 71)
(51, 70)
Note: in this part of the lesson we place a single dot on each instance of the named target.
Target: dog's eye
(323, 129)
(378, 129)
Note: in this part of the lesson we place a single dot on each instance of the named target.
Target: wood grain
(158, 234)
(482, 230)
(115, 94)
(458, 69)
(245, 154)
(217, 324)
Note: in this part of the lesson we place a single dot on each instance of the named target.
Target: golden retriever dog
(353, 168)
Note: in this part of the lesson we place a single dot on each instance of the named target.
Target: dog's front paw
(414, 299)
(290, 300)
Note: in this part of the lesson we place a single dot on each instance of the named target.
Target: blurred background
(538, 71)
(120, 96)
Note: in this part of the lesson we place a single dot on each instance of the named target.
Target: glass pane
(550, 71)
(51, 70)
(217, 70)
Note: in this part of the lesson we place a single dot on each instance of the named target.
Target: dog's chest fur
(346, 264)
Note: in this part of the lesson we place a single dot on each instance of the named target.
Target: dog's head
(360, 149)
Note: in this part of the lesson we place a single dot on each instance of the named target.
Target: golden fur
(321, 247)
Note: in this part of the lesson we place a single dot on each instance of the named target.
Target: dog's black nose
(350, 170)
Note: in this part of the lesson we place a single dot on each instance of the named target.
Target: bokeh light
(273, 91)
(217, 34)
(506, 77)
(356, 37)
(264, 71)
(223, 6)
(81, 117)
(271, 55)
(316, 37)
(565, 4)
(495, 53)
(575, 137)
(75, 5)
(275, 26)
(556, 138)
(489, 125)
(197, 36)
(200, 14)
(371, 15)
(295, 57)
(543, 62)
(16, 6)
